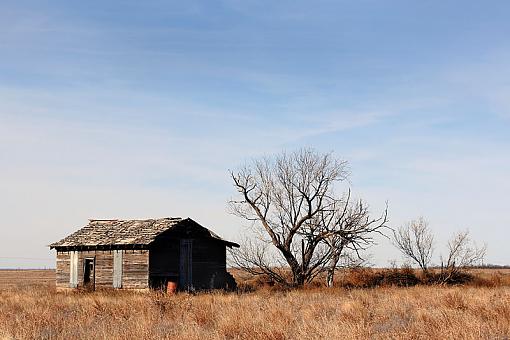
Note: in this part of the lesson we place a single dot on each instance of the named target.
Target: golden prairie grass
(419, 312)
(24, 278)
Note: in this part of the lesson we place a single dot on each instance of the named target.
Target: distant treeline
(492, 266)
(482, 266)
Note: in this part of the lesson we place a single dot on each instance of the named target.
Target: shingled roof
(125, 232)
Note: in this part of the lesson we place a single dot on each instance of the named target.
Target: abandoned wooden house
(143, 254)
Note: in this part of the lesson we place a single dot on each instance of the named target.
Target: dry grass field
(11, 278)
(32, 309)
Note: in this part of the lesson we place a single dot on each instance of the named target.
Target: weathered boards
(142, 254)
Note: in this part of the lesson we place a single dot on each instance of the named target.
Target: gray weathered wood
(117, 268)
(73, 277)
(135, 269)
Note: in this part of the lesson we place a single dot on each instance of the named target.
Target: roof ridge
(132, 219)
(125, 232)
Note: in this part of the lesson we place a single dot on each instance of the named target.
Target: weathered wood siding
(103, 267)
(135, 267)
(135, 271)
(117, 268)
(62, 271)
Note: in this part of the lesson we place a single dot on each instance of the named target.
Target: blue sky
(138, 109)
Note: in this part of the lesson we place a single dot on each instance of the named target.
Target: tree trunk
(298, 276)
(331, 276)
(299, 280)
(331, 269)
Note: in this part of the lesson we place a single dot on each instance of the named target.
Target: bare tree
(349, 228)
(346, 259)
(462, 254)
(294, 208)
(416, 242)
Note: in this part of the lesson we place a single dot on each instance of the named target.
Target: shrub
(368, 278)
(404, 277)
(449, 277)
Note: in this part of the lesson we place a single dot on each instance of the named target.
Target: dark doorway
(89, 274)
(185, 265)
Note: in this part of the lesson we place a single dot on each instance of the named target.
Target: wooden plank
(117, 268)
(62, 271)
(135, 269)
(73, 277)
(104, 268)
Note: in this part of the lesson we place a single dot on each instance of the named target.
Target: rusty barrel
(171, 287)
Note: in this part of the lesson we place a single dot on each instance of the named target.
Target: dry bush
(358, 278)
(370, 278)
(401, 277)
(449, 278)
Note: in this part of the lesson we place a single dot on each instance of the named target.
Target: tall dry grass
(420, 312)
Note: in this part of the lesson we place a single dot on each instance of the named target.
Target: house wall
(164, 258)
(135, 267)
(62, 271)
(209, 264)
